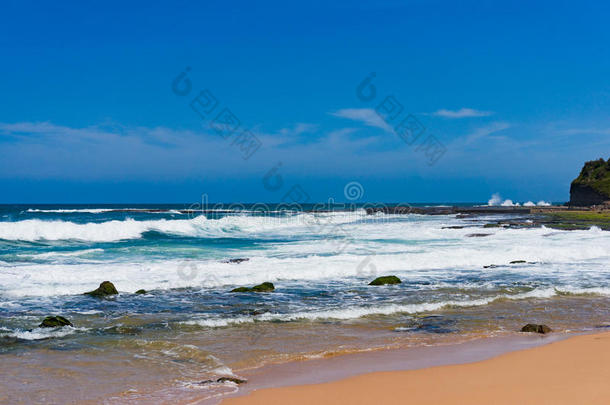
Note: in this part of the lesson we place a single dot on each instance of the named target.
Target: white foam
(413, 247)
(59, 254)
(72, 211)
(100, 211)
(358, 312)
(40, 333)
(236, 225)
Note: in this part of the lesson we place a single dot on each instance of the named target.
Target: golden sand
(571, 371)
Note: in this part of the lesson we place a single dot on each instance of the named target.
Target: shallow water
(189, 327)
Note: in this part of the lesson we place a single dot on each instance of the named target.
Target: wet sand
(570, 371)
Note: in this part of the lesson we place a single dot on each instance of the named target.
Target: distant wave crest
(115, 230)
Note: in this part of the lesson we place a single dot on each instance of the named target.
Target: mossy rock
(518, 262)
(385, 280)
(492, 226)
(54, 322)
(264, 287)
(105, 289)
(535, 328)
(241, 289)
(592, 186)
(140, 292)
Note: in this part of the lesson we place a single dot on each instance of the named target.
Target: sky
(412, 101)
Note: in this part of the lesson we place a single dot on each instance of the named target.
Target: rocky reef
(592, 186)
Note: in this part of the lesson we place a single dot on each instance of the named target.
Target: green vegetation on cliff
(569, 220)
(595, 174)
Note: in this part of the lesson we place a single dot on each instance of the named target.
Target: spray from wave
(497, 201)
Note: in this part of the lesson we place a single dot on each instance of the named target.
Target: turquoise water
(189, 325)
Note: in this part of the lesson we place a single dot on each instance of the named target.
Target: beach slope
(571, 371)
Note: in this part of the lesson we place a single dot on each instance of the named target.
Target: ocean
(458, 283)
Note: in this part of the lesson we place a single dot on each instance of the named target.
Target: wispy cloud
(48, 150)
(367, 116)
(586, 131)
(298, 129)
(485, 131)
(461, 113)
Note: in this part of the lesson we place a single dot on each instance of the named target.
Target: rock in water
(142, 291)
(105, 289)
(223, 380)
(238, 260)
(264, 287)
(592, 186)
(54, 322)
(518, 262)
(535, 328)
(241, 289)
(385, 280)
(231, 379)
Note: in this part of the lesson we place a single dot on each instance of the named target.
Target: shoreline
(490, 370)
(336, 368)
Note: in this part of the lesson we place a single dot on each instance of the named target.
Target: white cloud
(462, 113)
(367, 116)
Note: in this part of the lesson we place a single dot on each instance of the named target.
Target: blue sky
(516, 93)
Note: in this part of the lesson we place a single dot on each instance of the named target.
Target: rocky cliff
(592, 186)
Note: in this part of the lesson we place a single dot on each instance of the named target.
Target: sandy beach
(571, 371)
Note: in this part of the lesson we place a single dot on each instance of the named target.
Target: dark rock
(264, 287)
(477, 235)
(231, 379)
(238, 260)
(518, 261)
(223, 380)
(535, 328)
(462, 216)
(492, 226)
(453, 227)
(429, 324)
(106, 288)
(385, 280)
(142, 291)
(592, 186)
(491, 266)
(123, 330)
(54, 322)
(241, 289)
